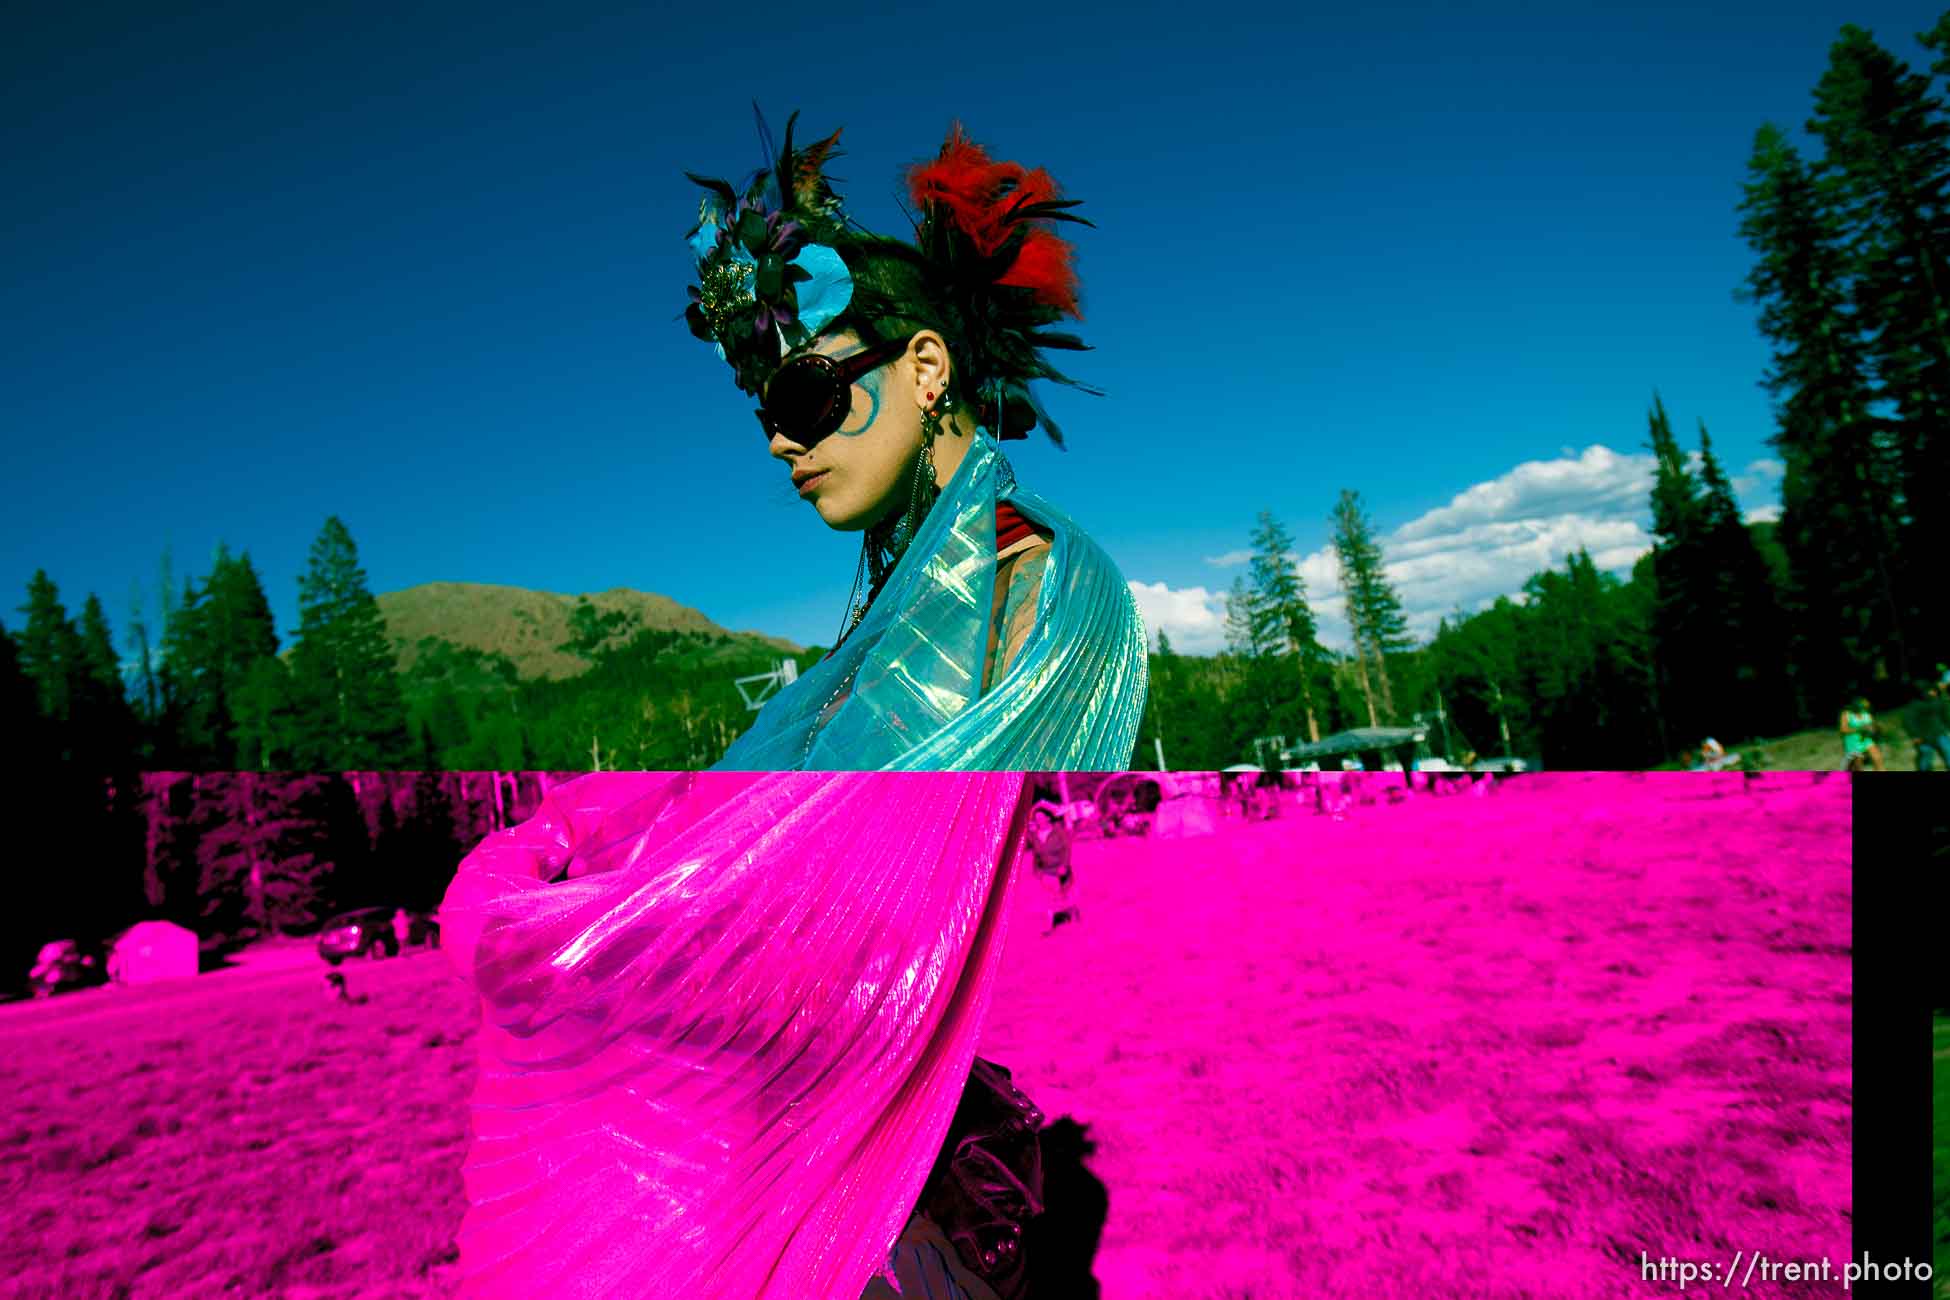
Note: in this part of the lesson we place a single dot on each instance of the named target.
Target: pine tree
(1374, 611)
(1282, 622)
(147, 701)
(220, 631)
(428, 845)
(1239, 620)
(1839, 491)
(264, 722)
(350, 713)
(1938, 39)
(273, 849)
(1886, 169)
(20, 708)
(1750, 677)
(49, 650)
(170, 802)
(104, 723)
(1684, 605)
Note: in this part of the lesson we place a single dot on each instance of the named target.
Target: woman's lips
(806, 486)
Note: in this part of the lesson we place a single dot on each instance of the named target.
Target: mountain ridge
(528, 627)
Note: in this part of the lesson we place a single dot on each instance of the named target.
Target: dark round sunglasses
(810, 395)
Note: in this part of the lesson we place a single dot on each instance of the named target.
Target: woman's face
(859, 473)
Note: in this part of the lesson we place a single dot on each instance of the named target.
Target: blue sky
(422, 267)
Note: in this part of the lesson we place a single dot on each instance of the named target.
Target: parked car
(367, 932)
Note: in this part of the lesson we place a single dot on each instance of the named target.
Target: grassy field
(1494, 1048)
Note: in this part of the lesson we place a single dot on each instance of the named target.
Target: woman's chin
(836, 516)
(845, 516)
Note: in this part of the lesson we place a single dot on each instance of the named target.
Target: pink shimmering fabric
(726, 1020)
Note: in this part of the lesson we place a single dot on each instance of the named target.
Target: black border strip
(1899, 843)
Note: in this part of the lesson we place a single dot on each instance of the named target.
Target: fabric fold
(910, 675)
(727, 1015)
(726, 1021)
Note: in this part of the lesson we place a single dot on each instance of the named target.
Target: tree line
(236, 854)
(205, 773)
(210, 687)
(1725, 628)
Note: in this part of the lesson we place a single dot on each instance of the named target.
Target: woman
(1049, 849)
(730, 1017)
(1858, 730)
(986, 630)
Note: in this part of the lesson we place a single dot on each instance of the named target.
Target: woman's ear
(932, 368)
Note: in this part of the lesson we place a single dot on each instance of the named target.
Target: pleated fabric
(726, 1020)
(727, 1016)
(910, 676)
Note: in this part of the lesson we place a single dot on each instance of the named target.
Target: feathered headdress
(771, 276)
(986, 228)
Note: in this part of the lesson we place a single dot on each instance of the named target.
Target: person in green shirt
(1858, 728)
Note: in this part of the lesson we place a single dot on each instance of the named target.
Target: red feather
(1043, 265)
(977, 194)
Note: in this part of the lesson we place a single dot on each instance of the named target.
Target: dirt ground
(1821, 751)
(1498, 1047)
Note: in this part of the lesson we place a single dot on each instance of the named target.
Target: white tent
(149, 951)
(1193, 815)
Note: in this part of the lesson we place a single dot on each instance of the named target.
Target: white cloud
(1761, 476)
(1763, 515)
(1194, 618)
(1600, 481)
(1494, 535)
(1483, 544)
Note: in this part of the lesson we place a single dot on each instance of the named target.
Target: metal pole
(1159, 742)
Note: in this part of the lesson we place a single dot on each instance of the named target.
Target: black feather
(765, 134)
(720, 188)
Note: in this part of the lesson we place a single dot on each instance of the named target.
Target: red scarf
(1010, 526)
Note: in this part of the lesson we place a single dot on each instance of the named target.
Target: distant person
(402, 928)
(1712, 754)
(1858, 728)
(1927, 720)
(1264, 799)
(1049, 846)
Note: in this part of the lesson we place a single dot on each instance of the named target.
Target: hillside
(528, 627)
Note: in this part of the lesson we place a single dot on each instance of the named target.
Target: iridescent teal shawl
(1070, 702)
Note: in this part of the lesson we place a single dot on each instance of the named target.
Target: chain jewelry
(882, 546)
